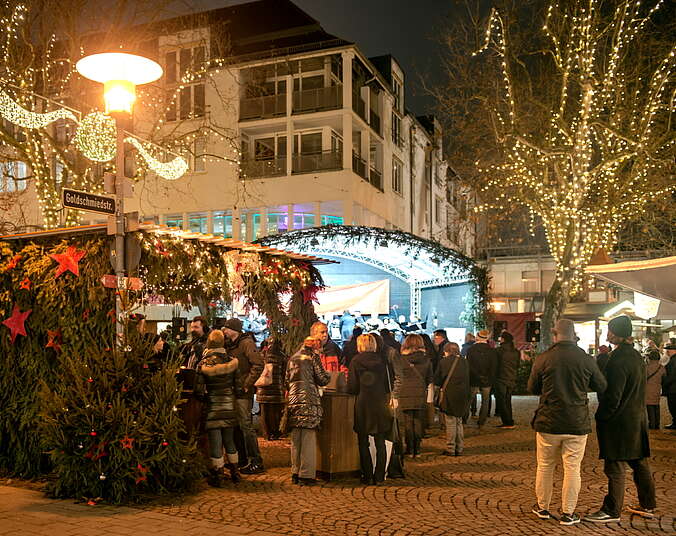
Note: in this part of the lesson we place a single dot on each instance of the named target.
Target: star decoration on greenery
(127, 442)
(13, 263)
(68, 261)
(141, 476)
(54, 339)
(15, 323)
(25, 284)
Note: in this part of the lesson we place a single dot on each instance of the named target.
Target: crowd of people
(402, 388)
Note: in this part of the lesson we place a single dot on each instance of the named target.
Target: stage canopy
(422, 264)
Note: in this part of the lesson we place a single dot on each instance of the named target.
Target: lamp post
(119, 73)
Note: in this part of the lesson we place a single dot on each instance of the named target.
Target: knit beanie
(621, 326)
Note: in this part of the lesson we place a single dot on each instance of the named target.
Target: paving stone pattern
(487, 491)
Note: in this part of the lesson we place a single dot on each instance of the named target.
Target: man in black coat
(483, 365)
(509, 359)
(562, 376)
(669, 383)
(622, 427)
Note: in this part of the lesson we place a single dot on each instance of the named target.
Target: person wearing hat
(242, 346)
(669, 382)
(562, 376)
(483, 365)
(622, 427)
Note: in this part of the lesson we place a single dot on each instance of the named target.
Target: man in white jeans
(562, 376)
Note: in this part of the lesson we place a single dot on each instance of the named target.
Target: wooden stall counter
(337, 451)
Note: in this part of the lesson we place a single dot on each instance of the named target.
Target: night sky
(404, 28)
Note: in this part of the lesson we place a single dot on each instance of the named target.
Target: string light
(598, 161)
(171, 170)
(96, 137)
(18, 115)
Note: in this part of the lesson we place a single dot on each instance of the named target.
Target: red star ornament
(15, 323)
(68, 261)
(13, 263)
(54, 339)
(25, 284)
(127, 442)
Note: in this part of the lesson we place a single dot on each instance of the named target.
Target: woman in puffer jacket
(218, 383)
(304, 375)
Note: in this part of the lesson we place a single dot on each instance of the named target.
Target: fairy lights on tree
(592, 144)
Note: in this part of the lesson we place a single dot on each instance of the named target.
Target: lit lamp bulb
(119, 73)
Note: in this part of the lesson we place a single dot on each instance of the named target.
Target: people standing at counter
(271, 397)
(219, 385)
(417, 379)
(370, 379)
(243, 347)
(304, 375)
(330, 354)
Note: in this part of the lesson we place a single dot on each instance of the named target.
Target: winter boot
(215, 478)
(232, 466)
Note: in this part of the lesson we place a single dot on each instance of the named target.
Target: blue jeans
(218, 437)
(245, 421)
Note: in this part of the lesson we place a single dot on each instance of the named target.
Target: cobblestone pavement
(487, 491)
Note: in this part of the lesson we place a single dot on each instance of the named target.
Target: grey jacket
(304, 374)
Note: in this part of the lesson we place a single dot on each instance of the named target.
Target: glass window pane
(175, 220)
(185, 60)
(185, 103)
(198, 100)
(197, 223)
(170, 67)
(264, 148)
(311, 143)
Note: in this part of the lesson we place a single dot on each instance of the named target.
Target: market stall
(101, 414)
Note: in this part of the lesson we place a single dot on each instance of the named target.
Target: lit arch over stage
(421, 264)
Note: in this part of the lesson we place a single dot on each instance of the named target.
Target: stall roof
(228, 243)
(653, 277)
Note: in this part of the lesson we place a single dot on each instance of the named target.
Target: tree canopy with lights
(580, 122)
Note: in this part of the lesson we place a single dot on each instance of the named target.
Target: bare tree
(566, 111)
(43, 42)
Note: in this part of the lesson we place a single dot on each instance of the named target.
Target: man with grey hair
(562, 376)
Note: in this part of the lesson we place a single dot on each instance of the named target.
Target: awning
(653, 277)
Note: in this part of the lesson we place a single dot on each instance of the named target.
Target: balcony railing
(375, 122)
(376, 178)
(359, 166)
(317, 100)
(321, 161)
(260, 107)
(259, 169)
(359, 106)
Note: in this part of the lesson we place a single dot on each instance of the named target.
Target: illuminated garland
(96, 137)
(18, 115)
(171, 170)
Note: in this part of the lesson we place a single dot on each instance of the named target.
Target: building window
(398, 91)
(437, 210)
(326, 219)
(175, 220)
(170, 67)
(278, 222)
(197, 223)
(13, 176)
(183, 66)
(397, 175)
(396, 129)
(303, 220)
(223, 223)
(530, 279)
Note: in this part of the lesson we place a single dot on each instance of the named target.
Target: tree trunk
(555, 302)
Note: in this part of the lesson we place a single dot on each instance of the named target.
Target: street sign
(88, 202)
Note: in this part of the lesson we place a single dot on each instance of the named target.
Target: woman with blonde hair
(369, 379)
(416, 382)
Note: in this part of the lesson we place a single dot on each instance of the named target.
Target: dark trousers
(653, 416)
(271, 415)
(365, 457)
(413, 423)
(503, 403)
(671, 404)
(245, 420)
(643, 478)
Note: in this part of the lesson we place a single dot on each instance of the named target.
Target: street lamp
(119, 73)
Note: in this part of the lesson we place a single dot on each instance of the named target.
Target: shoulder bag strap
(450, 373)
